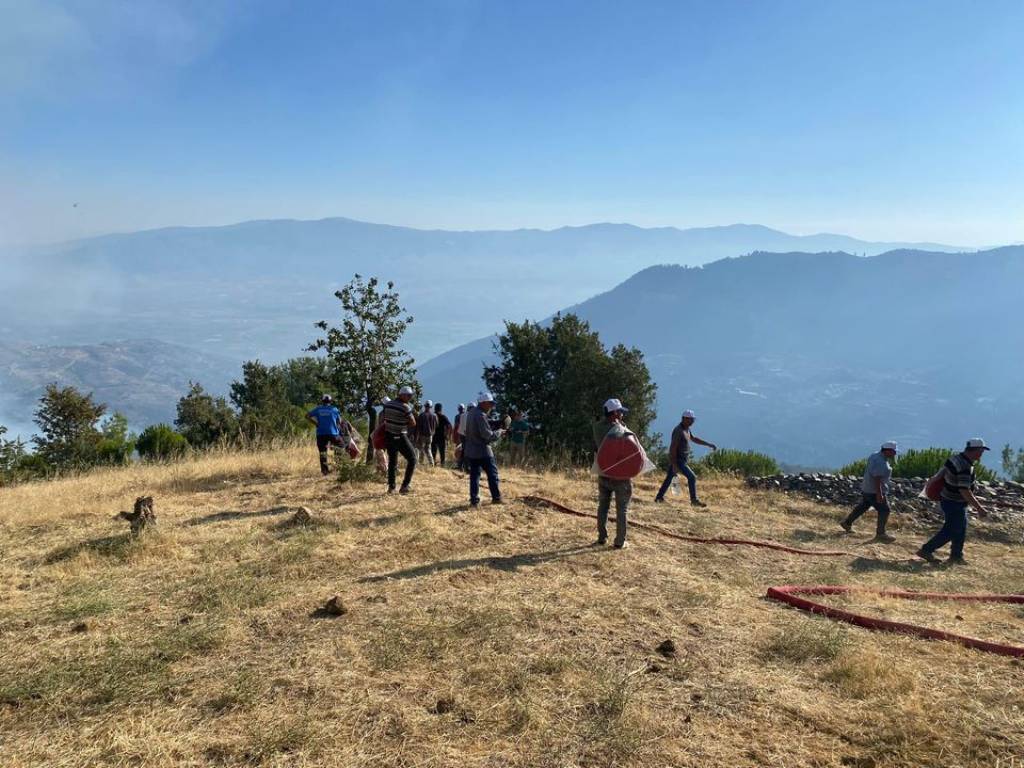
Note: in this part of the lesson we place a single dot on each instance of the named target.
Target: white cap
(975, 443)
(462, 406)
(405, 391)
(688, 414)
(890, 445)
(429, 403)
(610, 406)
(484, 397)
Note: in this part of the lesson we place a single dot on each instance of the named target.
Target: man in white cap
(426, 426)
(477, 451)
(398, 420)
(679, 455)
(957, 493)
(614, 411)
(874, 489)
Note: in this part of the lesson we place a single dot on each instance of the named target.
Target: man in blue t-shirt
(331, 429)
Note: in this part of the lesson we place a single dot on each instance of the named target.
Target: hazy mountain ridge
(255, 288)
(816, 357)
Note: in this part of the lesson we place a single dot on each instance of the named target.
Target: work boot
(884, 538)
(659, 500)
(846, 526)
(405, 490)
(697, 503)
(498, 500)
(927, 556)
(955, 561)
(622, 545)
(600, 542)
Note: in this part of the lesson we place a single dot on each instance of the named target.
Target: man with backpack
(398, 420)
(679, 455)
(957, 493)
(331, 429)
(873, 489)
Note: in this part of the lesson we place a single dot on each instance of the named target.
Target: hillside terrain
(487, 637)
(254, 289)
(815, 358)
(141, 378)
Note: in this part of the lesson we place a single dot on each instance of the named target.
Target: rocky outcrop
(1004, 500)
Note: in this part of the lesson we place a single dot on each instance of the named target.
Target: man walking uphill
(426, 426)
(477, 451)
(398, 420)
(957, 493)
(440, 442)
(614, 411)
(679, 455)
(331, 429)
(873, 492)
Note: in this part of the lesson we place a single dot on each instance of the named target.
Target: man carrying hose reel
(620, 458)
(957, 492)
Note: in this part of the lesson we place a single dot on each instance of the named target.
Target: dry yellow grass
(489, 637)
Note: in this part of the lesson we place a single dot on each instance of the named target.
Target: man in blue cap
(874, 490)
(331, 429)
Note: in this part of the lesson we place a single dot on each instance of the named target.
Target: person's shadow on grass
(508, 563)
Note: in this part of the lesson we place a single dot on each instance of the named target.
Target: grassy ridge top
(473, 638)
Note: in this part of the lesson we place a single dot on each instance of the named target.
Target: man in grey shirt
(477, 451)
(874, 490)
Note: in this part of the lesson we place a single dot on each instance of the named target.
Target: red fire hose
(791, 594)
(695, 539)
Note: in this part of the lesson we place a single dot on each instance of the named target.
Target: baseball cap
(890, 445)
(325, 399)
(429, 403)
(462, 406)
(975, 443)
(484, 397)
(688, 414)
(614, 404)
(405, 391)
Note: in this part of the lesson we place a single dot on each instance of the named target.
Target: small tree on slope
(366, 364)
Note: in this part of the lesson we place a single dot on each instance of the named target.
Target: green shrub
(160, 441)
(918, 462)
(743, 463)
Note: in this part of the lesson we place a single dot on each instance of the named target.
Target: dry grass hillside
(488, 637)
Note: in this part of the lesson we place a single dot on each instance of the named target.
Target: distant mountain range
(142, 378)
(255, 289)
(816, 358)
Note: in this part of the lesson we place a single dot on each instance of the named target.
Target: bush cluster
(742, 463)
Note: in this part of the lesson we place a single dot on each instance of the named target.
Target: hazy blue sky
(884, 120)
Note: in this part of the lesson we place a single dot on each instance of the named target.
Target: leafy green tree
(67, 420)
(1013, 463)
(117, 442)
(364, 359)
(263, 405)
(12, 454)
(205, 420)
(306, 379)
(561, 374)
(160, 441)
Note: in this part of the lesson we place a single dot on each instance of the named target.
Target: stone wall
(1004, 500)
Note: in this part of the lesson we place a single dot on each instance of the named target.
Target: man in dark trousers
(873, 491)
(614, 412)
(957, 493)
(477, 449)
(444, 429)
(331, 429)
(679, 455)
(426, 426)
(457, 430)
(398, 420)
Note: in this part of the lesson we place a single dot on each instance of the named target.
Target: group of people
(424, 437)
(957, 481)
